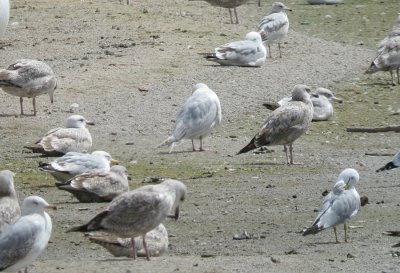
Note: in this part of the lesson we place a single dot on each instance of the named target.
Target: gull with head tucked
(9, 207)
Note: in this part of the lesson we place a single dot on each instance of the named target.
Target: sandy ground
(130, 68)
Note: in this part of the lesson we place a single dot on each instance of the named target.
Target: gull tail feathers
(94, 224)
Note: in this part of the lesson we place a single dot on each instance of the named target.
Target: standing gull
(229, 4)
(97, 186)
(28, 78)
(9, 207)
(394, 163)
(136, 212)
(322, 103)
(274, 27)
(59, 141)
(249, 52)
(339, 205)
(73, 163)
(286, 124)
(22, 242)
(156, 240)
(4, 16)
(197, 117)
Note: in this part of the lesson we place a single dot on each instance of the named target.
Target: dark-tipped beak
(50, 206)
(337, 99)
(89, 122)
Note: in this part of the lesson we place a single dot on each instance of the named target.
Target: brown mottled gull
(59, 141)
(156, 239)
(136, 212)
(9, 207)
(197, 117)
(286, 124)
(228, 4)
(97, 186)
(28, 78)
(74, 163)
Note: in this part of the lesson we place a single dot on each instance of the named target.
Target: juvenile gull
(197, 117)
(97, 186)
(394, 163)
(22, 242)
(156, 240)
(74, 163)
(28, 78)
(229, 4)
(275, 26)
(341, 204)
(9, 207)
(249, 52)
(322, 103)
(4, 16)
(75, 137)
(286, 124)
(136, 212)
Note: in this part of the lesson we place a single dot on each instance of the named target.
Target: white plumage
(4, 16)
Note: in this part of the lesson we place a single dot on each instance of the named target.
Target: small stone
(275, 260)
(350, 256)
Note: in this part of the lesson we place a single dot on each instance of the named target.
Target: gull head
(7, 183)
(254, 37)
(301, 93)
(35, 204)
(328, 94)
(278, 7)
(180, 193)
(199, 86)
(350, 177)
(105, 155)
(77, 121)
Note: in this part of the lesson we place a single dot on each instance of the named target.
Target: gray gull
(9, 207)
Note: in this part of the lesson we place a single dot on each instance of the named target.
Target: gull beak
(113, 162)
(314, 95)
(50, 206)
(337, 99)
(286, 8)
(89, 122)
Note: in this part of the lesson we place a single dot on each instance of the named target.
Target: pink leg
(230, 14)
(145, 248)
(34, 105)
(133, 248)
(287, 158)
(201, 145)
(237, 19)
(193, 148)
(21, 102)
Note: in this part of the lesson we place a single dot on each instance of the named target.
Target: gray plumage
(98, 186)
(75, 137)
(229, 4)
(286, 124)
(136, 212)
(9, 207)
(28, 79)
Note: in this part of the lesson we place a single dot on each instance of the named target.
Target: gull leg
(269, 50)
(230, 14)
(133, 248)
(345, 232)
(280, 53)
(21, 102)
(201, 145)
(259, 3)
(145, 248)
(291, 153)
(391, 75)
(334, 230)
(34, 105)
(287, 158)
(26, 270)
(237, 18)
(398, 74)
(193, 148)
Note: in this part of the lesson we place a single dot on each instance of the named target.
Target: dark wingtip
(388, 166)
(78, 229)
(311, 230)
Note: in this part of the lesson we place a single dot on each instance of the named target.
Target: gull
(9, 207)
(4, 16)
(22, 242)
(286, 124)
(28, 78)
(156, 240)
(341, 204)
(249, 52)
(229, 4)
(74, 163)
(136, 212)
(275, 26)
(75, 137)
(322, 103)
(97, 186)
(394, 163)
(197, 117)
(387, 56)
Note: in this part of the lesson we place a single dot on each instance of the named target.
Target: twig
(394, 128)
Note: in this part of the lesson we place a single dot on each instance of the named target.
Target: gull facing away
(75, 137)
(4, 16)
(98, 186)
(286, 124)
(9, 207)
(28, 78)
(248, 52)
(74, 163)
(229, 4)
(341, 204)
(22, 242)
(136, 212)
(394, 163)
(156, 240)
(322, 103)
(275, 26)
(197, 117)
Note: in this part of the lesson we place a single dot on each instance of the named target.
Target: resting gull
(286, 124)
(9, 207)
(249, 52)
(197, 117)
(74, 163)
(59, 141)
(156, 240)
(394, 163)
(229, 4)
(275, 26)
(22, 242)
(28, 78)
(322, 103)
(341, 204)
(97, 186)
(136, 212)
(4, 16)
